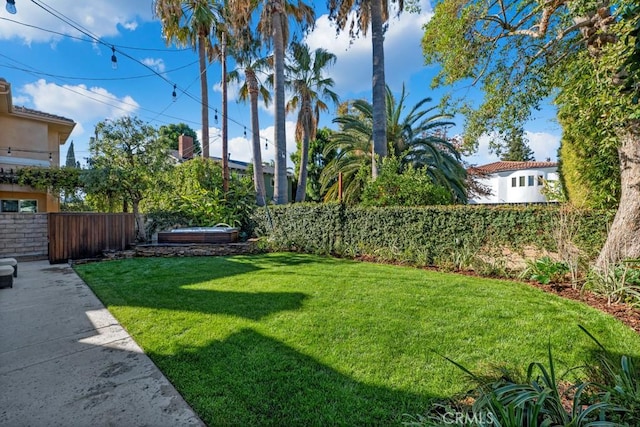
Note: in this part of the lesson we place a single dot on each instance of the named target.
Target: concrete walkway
(64, 360)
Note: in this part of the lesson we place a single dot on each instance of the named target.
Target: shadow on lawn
(252, 379)
(249, 305)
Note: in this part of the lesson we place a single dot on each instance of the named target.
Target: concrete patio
(65, 360)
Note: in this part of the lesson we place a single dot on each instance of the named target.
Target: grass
(289, 339)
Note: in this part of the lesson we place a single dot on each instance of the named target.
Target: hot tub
(218, 234)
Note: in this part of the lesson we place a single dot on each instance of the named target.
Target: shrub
(430, 235)
(545, 270)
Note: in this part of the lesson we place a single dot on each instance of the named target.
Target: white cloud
(544, 145)
(101, 18)
(85, 105)
(353, 67)
(155, 63)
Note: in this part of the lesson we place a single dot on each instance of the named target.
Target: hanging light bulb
(114, 60)
(216, 116)
(9, 151)
(245, 132)
(50, 157)
(174, 94)
(11, 7)
(266, 145)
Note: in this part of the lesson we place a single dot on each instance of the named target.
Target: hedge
(430, 235)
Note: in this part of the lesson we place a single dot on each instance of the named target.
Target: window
(530, 181)
(23, 206)
(522, 181)
(513, 181)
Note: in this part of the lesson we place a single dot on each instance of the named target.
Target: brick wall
(24, 236)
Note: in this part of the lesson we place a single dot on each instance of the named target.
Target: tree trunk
(225, 132)
(623, 240)
(301, 191)
(141, 234)
(378, 90)
(280, 185)
(258, 175)
(204, 89)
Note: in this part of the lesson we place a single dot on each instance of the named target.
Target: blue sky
(60, 71)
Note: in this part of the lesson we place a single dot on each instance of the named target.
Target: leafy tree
(374, 13)
(193, 196)
(170, 134)
(517, 150)
(522, 51)
(317, 160)
(127, 161)
(189, 23)
(415, 138)
(309, 87)
(398, 186)
(274, 28)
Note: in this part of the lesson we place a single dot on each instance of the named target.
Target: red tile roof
(511, 166)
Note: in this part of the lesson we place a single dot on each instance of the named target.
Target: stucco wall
(24, 236)
(502, 190)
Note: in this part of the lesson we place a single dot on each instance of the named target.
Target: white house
(514, 182)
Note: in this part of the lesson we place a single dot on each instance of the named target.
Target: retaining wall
(24, 236)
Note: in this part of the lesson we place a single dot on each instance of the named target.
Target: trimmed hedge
(427, 235)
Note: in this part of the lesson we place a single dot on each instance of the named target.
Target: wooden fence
(85, 235)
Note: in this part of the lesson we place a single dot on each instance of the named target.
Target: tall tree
(274, 28)
(415, 138)
(517, 150)
(248, 58)
(376, 14)
(189, 23)
(71, 157)
(127, 158)
(309, 87)
(318, 159)
(522, 51)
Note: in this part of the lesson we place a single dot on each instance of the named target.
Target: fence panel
(84, 235)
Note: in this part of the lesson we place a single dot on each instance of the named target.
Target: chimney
(185, 147)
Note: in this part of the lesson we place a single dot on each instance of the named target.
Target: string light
(9, 151)
(174, 94)
(50, 157)
(245, 132)
(11, 7)
(114, 60)
(216, 116)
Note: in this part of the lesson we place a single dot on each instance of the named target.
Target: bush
(432, 235)
(412, 187)
(195, 198)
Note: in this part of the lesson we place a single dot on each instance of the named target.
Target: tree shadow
(252, 379)
(248, 305)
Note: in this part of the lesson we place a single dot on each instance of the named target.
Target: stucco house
(27, 138)
(514, 182)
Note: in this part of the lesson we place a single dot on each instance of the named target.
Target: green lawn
(288, 339)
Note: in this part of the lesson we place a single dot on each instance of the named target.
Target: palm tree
(252, 89)
(274, 27)
(376, 13)
(415, 138)
(309, 86)
(189, 23)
